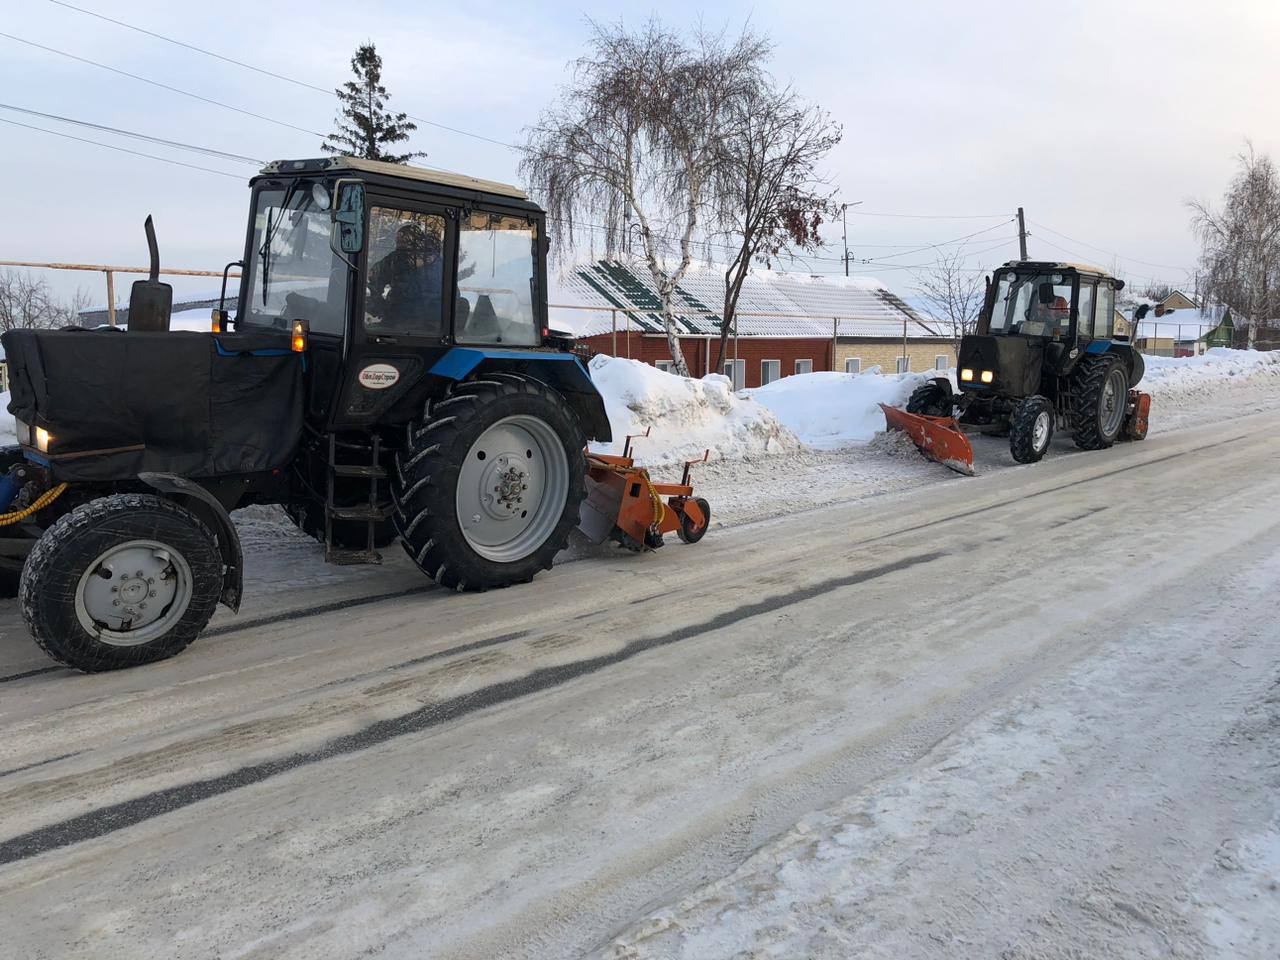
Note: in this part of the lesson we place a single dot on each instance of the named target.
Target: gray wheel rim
(133, 593)
(1040, 431)
(512, 488)
(1112, 403)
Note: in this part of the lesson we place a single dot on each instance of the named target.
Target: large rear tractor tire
(1100, 391)
(490, 483)
(1031, 429)
(121, 581)
(932, 399)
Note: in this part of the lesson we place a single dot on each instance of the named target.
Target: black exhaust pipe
(150, 301)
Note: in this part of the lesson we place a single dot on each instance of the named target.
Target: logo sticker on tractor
(379, 376)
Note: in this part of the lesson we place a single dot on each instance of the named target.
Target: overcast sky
(1100, 118)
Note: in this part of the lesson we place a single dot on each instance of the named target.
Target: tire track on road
(127, 813)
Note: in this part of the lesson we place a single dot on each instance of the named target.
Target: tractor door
(403, 310)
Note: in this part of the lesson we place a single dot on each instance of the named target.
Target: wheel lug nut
(115, 603)
(151, 594)
(115, 589)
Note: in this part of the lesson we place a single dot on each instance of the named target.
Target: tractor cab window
(293, 273)
(1104, 324)
(1084, 309)
(404, 294)
(497, 276)
(1034, 305)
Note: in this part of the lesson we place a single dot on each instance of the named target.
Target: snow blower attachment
(939, 438)
(624, 503)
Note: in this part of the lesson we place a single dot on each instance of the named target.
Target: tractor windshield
(1035, 305)
(292, 273)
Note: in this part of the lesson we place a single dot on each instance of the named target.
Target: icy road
(1030, 714)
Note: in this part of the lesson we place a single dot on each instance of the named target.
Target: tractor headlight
(966, 374)
(42, 439)
(987, 376)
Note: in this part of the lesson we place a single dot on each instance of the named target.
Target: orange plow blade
(939, 438)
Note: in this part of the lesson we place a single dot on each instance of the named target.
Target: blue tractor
(388, 373)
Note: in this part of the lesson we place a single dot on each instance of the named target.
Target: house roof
(772, 304)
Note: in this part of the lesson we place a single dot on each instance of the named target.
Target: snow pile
(8, 430)
(687, 416)
(828, 410)
(1198, 374)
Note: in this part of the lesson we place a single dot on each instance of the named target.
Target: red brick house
(787, 323)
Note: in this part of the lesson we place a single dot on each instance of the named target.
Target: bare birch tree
(27, 303)
(772, 199)
(953, 294)
(1240, 255)
(633, 143)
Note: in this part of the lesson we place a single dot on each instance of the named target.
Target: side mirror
(347, 215)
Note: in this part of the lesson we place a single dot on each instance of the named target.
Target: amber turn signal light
(298, 344)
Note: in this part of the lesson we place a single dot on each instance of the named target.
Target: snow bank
(8, 431)
(827, 410)
(1167, 374)
(688, 416)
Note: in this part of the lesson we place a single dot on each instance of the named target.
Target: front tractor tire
(932, 399)
(1031, 429)
(490, 483)
(121, 581)
(1100, 392)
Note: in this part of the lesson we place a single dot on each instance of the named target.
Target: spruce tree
(365, 127)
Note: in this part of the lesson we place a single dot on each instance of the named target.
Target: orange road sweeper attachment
(939, 438)
(624, 503)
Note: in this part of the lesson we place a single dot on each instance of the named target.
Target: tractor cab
(382, 269)
(1038, 320)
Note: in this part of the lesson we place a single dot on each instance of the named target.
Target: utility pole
(844, 218)
(1022, 233)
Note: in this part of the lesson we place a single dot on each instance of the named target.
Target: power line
(945, 243)
(163, 86)
(1076, 253)
(135, 135)
(271, 73)
(930, 216)
(1145, 263)
(136, 153)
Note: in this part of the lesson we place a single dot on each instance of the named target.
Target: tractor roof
(421, 174)
(1055, 265)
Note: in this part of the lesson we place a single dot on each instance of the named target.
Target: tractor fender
(207, 507)
(562, 372)
(1128, 354)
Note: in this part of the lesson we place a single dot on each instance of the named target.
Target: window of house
(941, 362)
(770, 370)
(804, 366)
(853, 365)
(665, 365)
(904, 364)
(736, 371)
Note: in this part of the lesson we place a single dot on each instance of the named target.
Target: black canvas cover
(188, 403)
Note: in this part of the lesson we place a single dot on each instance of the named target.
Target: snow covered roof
(772, 304)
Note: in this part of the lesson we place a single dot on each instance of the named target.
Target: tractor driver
(406, 286)
(1051, 312)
